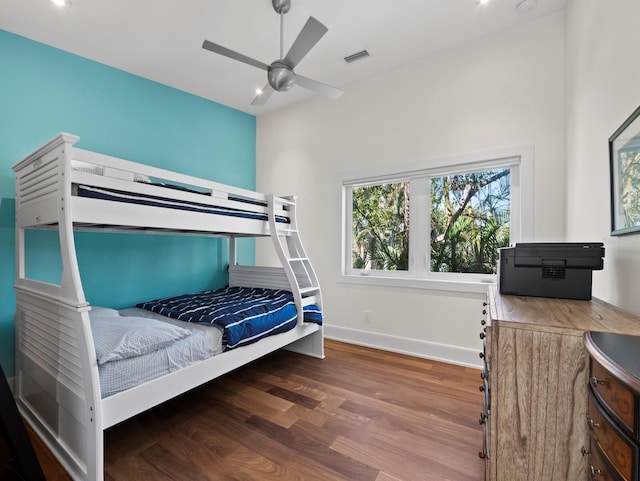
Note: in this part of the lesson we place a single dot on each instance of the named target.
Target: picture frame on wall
(624, 164)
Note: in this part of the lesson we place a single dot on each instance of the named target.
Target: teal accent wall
(44, 91)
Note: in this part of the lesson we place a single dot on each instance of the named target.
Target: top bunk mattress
(115, 195)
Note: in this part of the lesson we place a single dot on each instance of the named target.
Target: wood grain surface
(540, 406)
(564, 316)
(358, 415)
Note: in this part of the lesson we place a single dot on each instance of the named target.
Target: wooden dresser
(536, 384)
(614, 402)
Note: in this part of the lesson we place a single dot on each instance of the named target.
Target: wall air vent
(356, 56)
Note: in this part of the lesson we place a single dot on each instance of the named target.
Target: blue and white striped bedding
(159, 201)
(246, 314)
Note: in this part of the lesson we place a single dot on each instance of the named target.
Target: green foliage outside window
(381, 227)
(469, 221)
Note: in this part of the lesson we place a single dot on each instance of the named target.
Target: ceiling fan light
(61, 3)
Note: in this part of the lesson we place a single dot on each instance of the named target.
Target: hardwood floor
(358, 415)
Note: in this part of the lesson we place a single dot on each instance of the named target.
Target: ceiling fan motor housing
(281, 76)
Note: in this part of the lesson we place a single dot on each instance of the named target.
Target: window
(437, 228)
(470, 219)
(380, 222)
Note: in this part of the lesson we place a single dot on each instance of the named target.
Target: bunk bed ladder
(297, 266)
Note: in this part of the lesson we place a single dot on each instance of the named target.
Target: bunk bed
(64, 188)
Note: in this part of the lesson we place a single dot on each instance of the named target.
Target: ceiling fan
(280, 72)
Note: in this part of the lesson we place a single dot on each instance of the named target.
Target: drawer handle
(483, 418)
(482, 336)
(482, 455)
(596, 382)
(592, 424)
(594, 472)
(584, 451)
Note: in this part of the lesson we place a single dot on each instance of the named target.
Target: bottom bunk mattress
(246, 314)
(137, 345)
(146, 350)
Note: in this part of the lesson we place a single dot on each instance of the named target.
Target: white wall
(503, 90)
(603, 89)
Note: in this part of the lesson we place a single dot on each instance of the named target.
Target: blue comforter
(245, 314)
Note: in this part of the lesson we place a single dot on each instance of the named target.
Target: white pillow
(98, 312)
(117, 337)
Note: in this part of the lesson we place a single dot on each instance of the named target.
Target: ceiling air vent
(356, 56)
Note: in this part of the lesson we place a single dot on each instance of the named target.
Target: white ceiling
(161, 39)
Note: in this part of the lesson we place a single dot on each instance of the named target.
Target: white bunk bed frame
(57, 386)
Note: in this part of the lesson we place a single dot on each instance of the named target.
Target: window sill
(479, 286)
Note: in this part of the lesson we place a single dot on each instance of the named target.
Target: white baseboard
(413, 347)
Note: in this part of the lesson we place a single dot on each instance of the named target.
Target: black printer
(561, 270)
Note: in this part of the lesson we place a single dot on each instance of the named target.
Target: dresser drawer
(617, 398)
(617, 448)
(599, 469)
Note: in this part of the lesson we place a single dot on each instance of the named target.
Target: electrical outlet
(367, 316)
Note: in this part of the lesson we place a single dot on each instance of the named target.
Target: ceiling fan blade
(318, 87)
(310, 34)
(262, 97)
(214, 47)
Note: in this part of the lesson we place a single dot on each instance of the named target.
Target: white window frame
(520, 162)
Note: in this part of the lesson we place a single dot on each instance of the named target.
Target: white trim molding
(413, 347)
